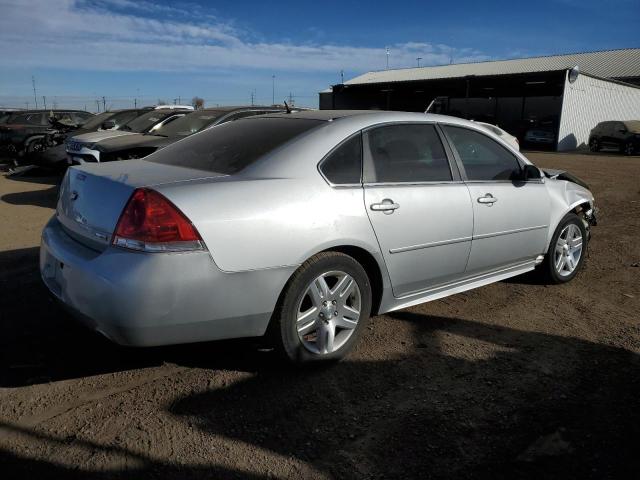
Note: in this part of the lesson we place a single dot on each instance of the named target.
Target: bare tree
(197, 103)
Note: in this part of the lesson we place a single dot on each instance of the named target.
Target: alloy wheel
(328, 312)
(568, 250)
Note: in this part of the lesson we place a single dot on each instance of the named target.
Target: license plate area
(52, 273)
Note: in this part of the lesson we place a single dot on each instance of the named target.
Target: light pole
(273, 89)
(418, 59)
(388, 53)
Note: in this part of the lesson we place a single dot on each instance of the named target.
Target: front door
(511, 216)
(421, 213)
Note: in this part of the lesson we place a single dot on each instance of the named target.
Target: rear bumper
(145, 299)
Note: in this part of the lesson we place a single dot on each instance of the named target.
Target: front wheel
(323, 309)
(628, 148)
(567, 250)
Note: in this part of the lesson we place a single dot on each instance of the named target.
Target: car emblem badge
(74, 195)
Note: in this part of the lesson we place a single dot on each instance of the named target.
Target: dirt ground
(513, 380)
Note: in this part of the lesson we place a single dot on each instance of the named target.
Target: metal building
(545, 101)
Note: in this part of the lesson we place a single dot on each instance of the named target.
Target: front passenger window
(483, 158)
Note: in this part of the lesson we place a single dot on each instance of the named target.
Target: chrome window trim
(404, 184)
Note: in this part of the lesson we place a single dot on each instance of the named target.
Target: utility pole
(44, 101)
(27, 104)
(290, 99)
(342, 76)
(97, 106)
(135, 103)
(179, 100)
(273, 89)
(418, 59)
(104, 104)
(35, 96)
(388, 53)
(252, 97)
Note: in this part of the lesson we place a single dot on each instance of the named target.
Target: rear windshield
(191, 123)
(233, 146)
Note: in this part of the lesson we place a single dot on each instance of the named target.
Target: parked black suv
(23, 131)
(624, 136)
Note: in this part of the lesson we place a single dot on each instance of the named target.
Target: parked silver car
(301, 225)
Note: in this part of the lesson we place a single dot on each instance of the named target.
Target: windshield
(233, 146)
(633, 126)
(97, 120)
(146, 122)
(191, 123)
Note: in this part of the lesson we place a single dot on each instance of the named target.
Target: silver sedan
(300, 226)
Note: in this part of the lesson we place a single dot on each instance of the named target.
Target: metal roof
(607, 64)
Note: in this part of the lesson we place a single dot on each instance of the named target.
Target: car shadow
(462, 398)
(39, 198)
(40, 342)
(564, 404)
(508, 404)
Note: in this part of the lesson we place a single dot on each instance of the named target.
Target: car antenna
(430, 106)
(287, 107)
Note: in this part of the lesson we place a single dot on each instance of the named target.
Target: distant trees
(197, 103)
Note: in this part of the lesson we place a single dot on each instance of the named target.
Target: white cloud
(80, 35)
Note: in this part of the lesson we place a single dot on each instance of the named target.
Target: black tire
(549, 269)
(594, 145)
(282, 330)
(628, 149)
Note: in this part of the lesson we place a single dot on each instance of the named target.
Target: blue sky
(80, 50)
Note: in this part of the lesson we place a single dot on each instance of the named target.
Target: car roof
(240, 108)
(47, 110)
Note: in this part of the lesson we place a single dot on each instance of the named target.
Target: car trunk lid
(92, 197)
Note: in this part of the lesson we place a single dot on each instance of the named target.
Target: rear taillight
(151, 223)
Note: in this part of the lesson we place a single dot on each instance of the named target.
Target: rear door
(511, 216)
(420, 209)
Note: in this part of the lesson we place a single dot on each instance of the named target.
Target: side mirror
(108, 125)
(531, 172)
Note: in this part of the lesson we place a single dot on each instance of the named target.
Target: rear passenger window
(405, 154)
(344, 164)
(483, 158)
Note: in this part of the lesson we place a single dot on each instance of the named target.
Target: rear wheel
(323, 309)
(594, 145)
(567, 250)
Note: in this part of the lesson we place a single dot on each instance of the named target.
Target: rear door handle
(387, 206)
(488, 199)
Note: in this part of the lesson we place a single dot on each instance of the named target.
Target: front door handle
(387, 206)
(488, 199)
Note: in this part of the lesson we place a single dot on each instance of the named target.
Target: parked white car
(506, 136)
